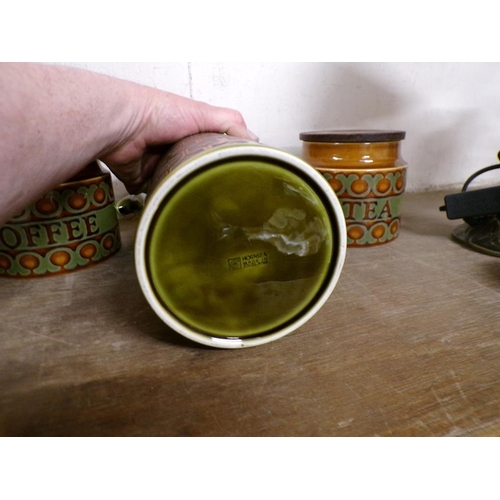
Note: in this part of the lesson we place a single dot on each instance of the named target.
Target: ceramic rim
(233, 152)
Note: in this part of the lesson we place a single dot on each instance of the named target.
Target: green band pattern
(72, 226)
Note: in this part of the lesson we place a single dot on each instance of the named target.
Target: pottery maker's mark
(248, 261)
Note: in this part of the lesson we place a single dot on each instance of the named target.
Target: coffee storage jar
(367, 172)
(71, 227)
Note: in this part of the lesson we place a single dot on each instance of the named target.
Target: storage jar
(368, 174)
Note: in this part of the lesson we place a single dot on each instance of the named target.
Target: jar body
(369, 178)
(72, 227)
(239, 244)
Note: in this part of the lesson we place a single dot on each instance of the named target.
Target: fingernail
(253, 136)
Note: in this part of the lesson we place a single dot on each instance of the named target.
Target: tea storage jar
(368, 174)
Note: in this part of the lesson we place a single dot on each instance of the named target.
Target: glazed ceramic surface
(73, 226)
(367, 172)
(371, 201)
(239, 244)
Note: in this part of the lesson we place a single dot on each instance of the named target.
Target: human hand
(165, 119)
(55, 120)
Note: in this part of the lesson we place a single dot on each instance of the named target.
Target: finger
(222, 120)
(243, 132)
(136, 173)
(129, 173)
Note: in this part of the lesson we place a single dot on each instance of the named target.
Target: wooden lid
(353, 136)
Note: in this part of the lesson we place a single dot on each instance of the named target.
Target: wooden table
(407, 345)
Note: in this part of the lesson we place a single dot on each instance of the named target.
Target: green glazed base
(240, 249)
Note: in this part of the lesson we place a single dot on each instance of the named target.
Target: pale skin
(55, 120)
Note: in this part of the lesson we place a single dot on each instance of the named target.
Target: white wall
(450, 111)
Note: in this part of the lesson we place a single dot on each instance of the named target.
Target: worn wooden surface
(407, 345)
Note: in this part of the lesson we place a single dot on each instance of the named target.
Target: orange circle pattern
(361, 235)
(32, 264)
(371, 201)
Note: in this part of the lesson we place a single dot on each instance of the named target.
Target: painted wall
(450, 111)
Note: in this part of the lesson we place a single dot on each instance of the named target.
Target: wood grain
(407, 345)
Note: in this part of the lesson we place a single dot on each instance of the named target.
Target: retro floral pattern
(71, 227)
(371, 201)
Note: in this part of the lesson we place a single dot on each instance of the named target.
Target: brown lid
(353, 136)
